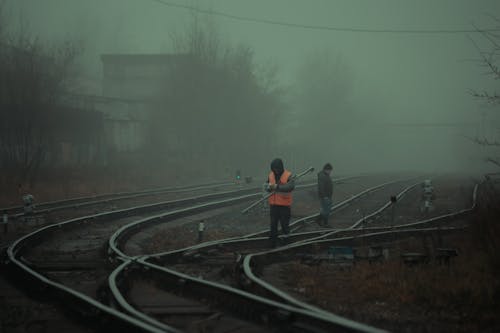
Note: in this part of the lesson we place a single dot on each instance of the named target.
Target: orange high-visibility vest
(280, 198)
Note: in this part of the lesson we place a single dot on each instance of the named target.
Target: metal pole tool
(303, 173)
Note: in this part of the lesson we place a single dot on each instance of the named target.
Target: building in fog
(137, 76)
(77, 137)
(133, 85)
(124, 121)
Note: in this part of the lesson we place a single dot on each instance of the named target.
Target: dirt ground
(462, 296)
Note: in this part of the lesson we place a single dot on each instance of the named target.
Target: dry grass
(463, 296)
(463, 286)
(60, 183)
(182, 236)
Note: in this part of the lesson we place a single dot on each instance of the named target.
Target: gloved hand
(269, 187)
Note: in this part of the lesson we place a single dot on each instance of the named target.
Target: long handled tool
(295, 177)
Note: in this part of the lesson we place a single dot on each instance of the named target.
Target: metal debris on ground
(444, 256)
(414, 258)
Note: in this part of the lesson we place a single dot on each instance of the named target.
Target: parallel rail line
(136, 265)
(265, 306)
(21, 266)
(256, 261)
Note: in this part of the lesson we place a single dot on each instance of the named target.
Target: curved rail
(295, 225)
(51, 206)
(378, 235)
(121, 234)
(335, 320)
(75, 298)
(15, 250)
(277, 314)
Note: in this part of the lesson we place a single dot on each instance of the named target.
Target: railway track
(77, 265)
(174, 297)
(73, 263)
(182, 300)
(220, 261)
(128, 284)
(382, 236)
(119, 238)
(80, 243)
(16, 212)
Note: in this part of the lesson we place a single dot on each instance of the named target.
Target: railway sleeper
(65, 266)
(170, 310)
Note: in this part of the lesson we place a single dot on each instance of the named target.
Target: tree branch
(483, 142)
(494, 99)
(489, 159)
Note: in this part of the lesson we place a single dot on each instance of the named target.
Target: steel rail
(40, 233)
(49, 206)
(315, 242)
(437, 219)
(52, 206)
(228, 297)
(301, 222)
(16, 248)
(172, 256)
(267, 288)
(163, 257)
(75, 297)
(124, 304)
(372, 215)
(262, 241)
(124, 193)
(120, 301)
(295, 225)
(121, 234)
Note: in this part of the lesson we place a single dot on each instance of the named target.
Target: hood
(277, 167)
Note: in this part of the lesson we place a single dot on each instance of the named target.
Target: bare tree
(217, 101)
(32, 81)
(489, 60)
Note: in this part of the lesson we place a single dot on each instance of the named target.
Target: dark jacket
(325, 185)
(288, 187)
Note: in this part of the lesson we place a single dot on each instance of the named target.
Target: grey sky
(432, 68)
(421, 78)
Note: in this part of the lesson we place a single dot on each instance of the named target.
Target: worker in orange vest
(281, 184)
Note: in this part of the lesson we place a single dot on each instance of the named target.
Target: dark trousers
(326, 206)
(279, 214)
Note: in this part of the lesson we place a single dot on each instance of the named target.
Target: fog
(391, 100)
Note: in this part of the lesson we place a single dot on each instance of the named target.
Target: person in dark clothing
(325, 192)
(280, 182)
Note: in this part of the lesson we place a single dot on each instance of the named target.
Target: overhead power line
(322, 27)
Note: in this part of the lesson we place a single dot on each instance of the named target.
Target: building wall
(77, 137)
(141, 77)
(125, 121)
(134, 84)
